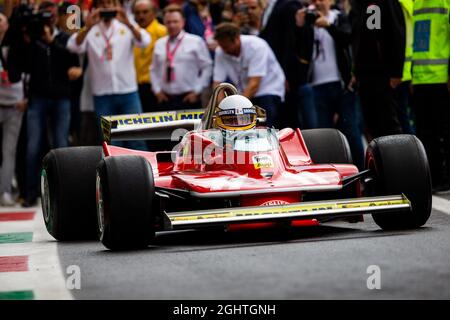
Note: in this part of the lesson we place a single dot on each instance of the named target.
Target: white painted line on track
(15, 226)
(441, 204)
(16, 208)
(45, 276)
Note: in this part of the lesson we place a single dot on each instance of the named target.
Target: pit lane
(326, 262)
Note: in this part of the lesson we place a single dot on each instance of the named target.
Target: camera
(243, 8)
(108, 14)
(36, 23)
(25, 20)
(311, 16)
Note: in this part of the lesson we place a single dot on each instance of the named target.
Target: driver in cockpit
(236, 113)
(235, 127)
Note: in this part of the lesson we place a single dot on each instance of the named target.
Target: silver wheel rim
(100, 209)
(45, 196)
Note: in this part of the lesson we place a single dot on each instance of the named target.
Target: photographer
(109, 38)
(48, 10)
(51, 68)
(251, 65)
(330, 71)
(249, 15)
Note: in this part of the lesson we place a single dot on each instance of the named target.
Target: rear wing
(155, 125)
(149, 126)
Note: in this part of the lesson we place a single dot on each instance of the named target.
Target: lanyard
(107, 39)
(171, 54)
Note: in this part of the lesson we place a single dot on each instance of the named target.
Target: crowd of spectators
(309, 63)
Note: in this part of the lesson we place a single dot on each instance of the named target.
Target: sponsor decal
(284, 209)
(262, 161)
(236, 111)
(145, 119)
(274, 203)
(159, 117)
(190, 115)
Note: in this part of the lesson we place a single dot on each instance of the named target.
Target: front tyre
(125, 192)
(68, 192)
(400, 166)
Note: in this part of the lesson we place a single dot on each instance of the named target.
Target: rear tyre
(327, 146)
(125, 192)
(399, 165)
(68, 192)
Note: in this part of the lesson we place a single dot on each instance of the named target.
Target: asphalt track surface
(326, 262)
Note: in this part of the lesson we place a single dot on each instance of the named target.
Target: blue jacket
(194, 23)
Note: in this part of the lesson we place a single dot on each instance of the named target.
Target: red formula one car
(253, 178)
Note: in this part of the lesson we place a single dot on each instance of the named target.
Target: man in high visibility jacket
(430, 78)
(408, 11)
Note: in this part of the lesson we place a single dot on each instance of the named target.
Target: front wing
(319, 210)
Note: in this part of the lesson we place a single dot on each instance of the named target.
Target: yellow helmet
(235, 113)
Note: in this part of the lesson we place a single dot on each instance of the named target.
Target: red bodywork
(292, 169)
